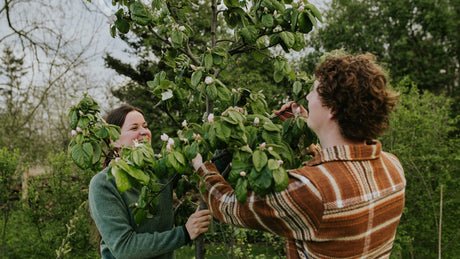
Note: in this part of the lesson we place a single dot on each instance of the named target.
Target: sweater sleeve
(294, 213)
(113, 220)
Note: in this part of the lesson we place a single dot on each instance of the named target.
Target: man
(347, 201)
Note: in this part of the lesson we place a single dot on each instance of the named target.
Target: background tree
(419, 39)
(43, 62)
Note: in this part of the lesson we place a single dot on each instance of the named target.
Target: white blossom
(164, 137)
(243, 173)
(256, 120)
(184, 123)
(181, 28)
(208, 80)
(171, 141)
(74, 132)
(211, 118)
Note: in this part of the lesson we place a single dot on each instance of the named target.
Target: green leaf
(208, 61)
(139, 175)
(138, 158)
(121, 179)
(73, 118)
(97, 153)
(269, 126)
(249, 34)
(261, 181)
(139, 13)
(278, 76)
(259, 158)
(196, 77)
(177, 38)
(223, 131)
(191, 151)
(241, 189)
(139, 216)
(267, 20)
(288, 38)
(281, 179)
(296, 87)
(82, 155)
(304, 23)
(179, 157)
(211, 91)
(122, 25)
(273, 164)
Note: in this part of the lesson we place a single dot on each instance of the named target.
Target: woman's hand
(198, 223)
(197, 162)
(290, 109)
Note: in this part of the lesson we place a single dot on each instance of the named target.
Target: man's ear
(332, 113)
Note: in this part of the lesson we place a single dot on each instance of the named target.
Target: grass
(255, 251)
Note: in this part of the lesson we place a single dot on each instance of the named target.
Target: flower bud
(184, 123)
(301, 9)
(243, 173)
(270, 148)
(234, 91)
(275, 13)
(280, 162)
(265, 9)
(211, 118)
(256, 120)
(168, 147)
(80, 112)
(263, 145)
(297, 110)
(117, 159)
(208, 80)
(181, 28)
(74, 132)
(193, 66)
(171, 141)
(79, 129)
(164, 137)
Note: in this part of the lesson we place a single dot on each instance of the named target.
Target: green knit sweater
(121, 237)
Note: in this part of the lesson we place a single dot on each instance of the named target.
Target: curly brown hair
(354, 87)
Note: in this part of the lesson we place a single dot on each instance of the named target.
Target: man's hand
(197, 162)
(290, 110)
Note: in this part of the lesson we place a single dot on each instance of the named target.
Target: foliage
(421, 137)
(192, 81)
(10, 177)
(55, 199)
(419, 39)
(238, 63)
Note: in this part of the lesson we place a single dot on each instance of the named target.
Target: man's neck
(333, 137)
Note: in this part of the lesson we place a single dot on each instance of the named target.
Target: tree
(44, 61)
(421, 136)
(419, 39)
(238, 30)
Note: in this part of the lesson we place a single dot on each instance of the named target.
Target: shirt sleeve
(112, 218)
(294, 213)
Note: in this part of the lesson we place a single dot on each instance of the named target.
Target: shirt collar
(367, 151)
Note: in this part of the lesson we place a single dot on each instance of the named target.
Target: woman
(121, 237)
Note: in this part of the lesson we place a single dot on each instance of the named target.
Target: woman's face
(134, 129)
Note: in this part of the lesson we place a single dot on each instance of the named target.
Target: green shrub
(421, 136)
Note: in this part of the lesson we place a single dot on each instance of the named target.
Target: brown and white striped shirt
(345, 203)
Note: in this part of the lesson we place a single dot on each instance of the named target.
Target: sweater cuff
(187, 235)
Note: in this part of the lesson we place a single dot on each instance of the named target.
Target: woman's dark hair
(117, 117)
(354, 87)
